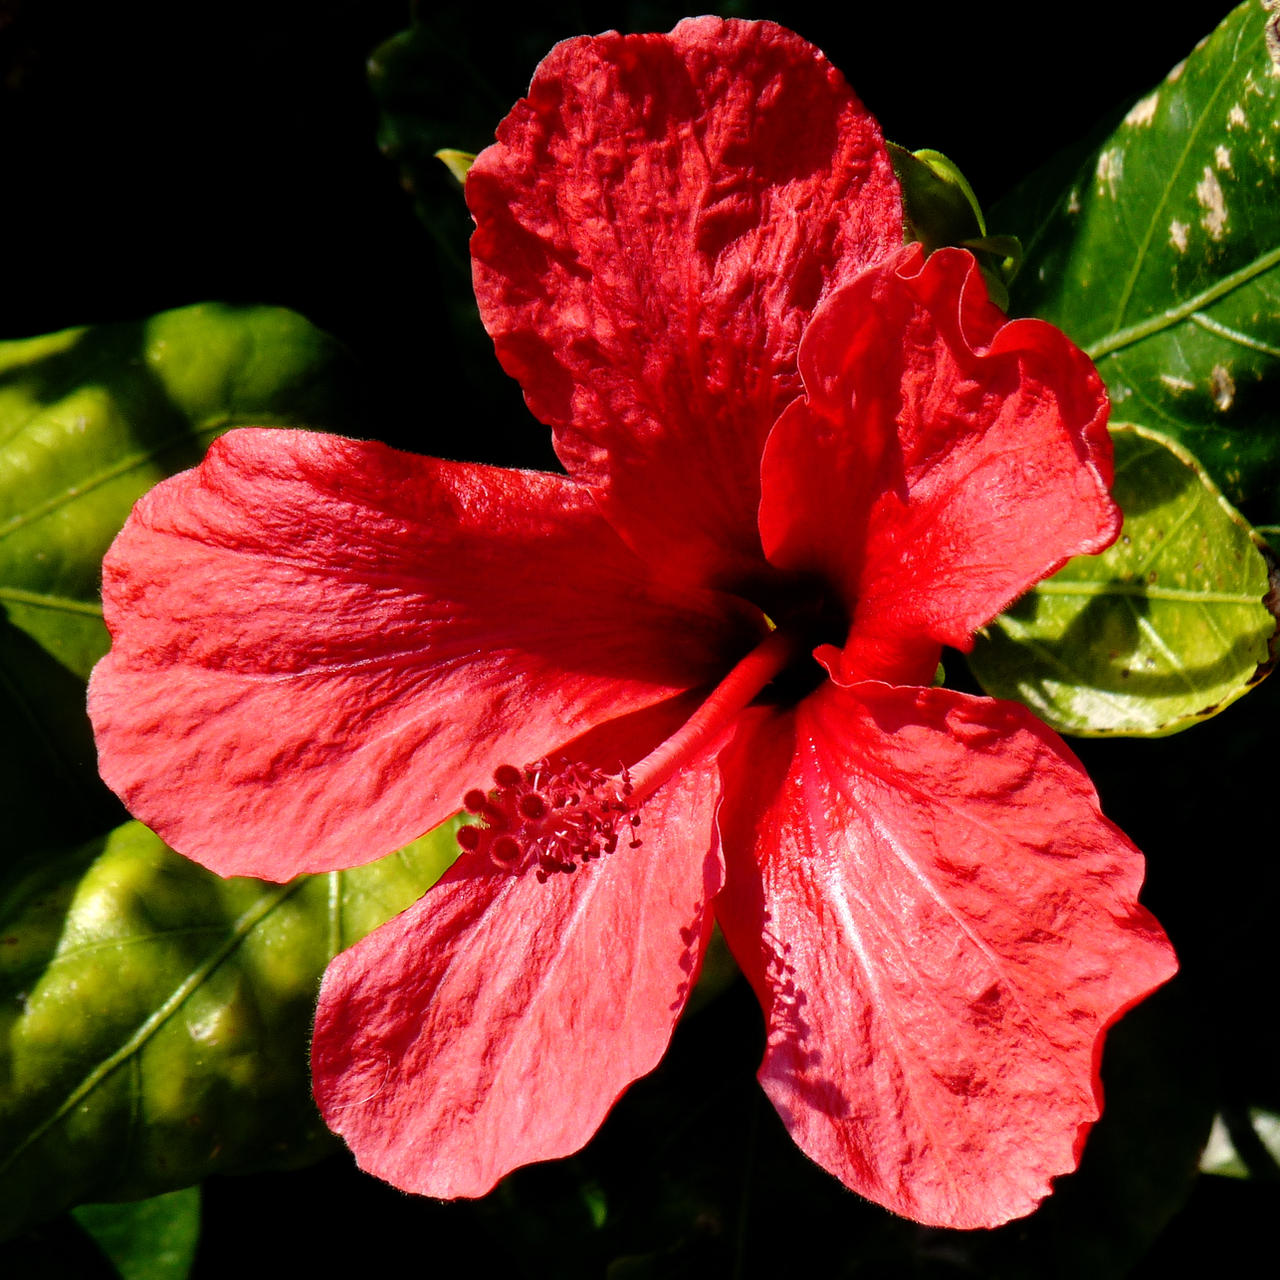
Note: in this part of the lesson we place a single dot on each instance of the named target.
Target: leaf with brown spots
(1162, 259)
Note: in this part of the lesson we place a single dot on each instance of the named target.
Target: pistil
(559, 815)
(730, 697)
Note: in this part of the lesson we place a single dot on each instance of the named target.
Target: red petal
(497, 1021)
(940, 925)
(654, 226)
(968, 455)
(319, 645)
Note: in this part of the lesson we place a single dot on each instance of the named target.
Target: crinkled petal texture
(940, 926)
(967, 457)
(318, 645)
(654, 227)
(497, 1021)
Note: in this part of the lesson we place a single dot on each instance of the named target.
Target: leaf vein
(130, 462)
(1166, 319)
(46, 600)
(1145, 590)
(1158, 643)
(243, 926)
(1216, 327)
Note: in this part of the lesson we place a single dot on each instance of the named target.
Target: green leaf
(436, 105)
(154, 1018)
(1166, 627)
(152, 1239)
(90, 419)
(432, 98)
(1162, 259)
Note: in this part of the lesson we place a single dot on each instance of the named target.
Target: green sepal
(457, 162)
(939, 208)
(938, 203)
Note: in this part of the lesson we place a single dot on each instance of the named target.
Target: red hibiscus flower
(692, 680)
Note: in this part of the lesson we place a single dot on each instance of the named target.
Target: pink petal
(654, 226)
(497, 1021)
(319, 645)
(968, 455)
(940, 926)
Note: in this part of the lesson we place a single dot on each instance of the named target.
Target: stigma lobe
(556, 816)
(563, 814)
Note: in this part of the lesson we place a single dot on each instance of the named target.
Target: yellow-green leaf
(91, 418)
(153, 1239)
(1167, 627)
(155, 1018)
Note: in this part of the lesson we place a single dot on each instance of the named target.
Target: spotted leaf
(1162, 258)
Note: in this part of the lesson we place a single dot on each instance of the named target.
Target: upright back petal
(943, 459)
(655, 225)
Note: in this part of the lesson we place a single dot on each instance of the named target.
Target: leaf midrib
(243, 926)
(47, 600)
(1150, 591)
(1166, 319)
(130, 462)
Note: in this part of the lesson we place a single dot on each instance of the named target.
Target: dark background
(157, 155)
(153, 155)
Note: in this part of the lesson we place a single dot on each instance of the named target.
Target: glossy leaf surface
(151, 1239)
(1162, 259)
(1166, 627)
(91, 418)
(154, 1018)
